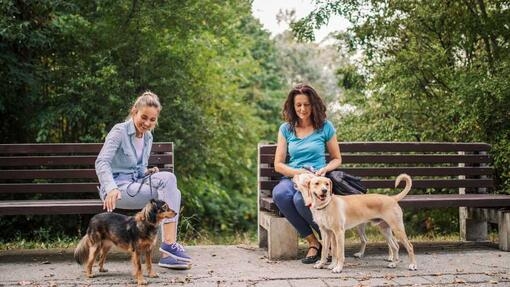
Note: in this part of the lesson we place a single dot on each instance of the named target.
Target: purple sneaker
(172, 263)
(175, 250)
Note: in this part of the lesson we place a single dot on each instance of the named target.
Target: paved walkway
(438, 265)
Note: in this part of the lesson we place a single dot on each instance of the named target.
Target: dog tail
(81, 253)
(407, 188)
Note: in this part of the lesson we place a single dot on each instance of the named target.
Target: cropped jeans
(292, 206)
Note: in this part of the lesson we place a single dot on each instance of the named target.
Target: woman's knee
(167, 176)
(282, 193)
(298, 199)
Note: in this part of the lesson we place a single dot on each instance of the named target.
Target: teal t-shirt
(310, 150)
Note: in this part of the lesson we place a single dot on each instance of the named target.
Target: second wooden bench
(444, 174)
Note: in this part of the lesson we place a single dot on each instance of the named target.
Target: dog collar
(325, 204)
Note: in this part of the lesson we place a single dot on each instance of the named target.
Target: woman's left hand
(321, 172)
(152, 170)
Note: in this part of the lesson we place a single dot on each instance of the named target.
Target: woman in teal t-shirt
(304, 137)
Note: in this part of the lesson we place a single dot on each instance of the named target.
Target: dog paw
(142, 282)
(153, 275)
(337, 269)
(103, 270)
(358, 255)
(392, 265)
(413, 267)
(318, 265)
(332, 266)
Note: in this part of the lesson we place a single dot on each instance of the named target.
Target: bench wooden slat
(417, 183)
(72, 187)
(429, 201)
(51, 148)
(88, 173)
(455, 200)
(63, 206)
(403, 158)
(85, 160)
(85, 173)
(393, 171)
(75, 148)
(398, 147)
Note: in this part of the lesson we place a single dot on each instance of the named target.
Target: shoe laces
(178, 246)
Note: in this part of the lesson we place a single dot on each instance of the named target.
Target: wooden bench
(444, 175)
(58, 178)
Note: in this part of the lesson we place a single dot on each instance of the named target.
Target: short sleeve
(285, 131)
(329, 130)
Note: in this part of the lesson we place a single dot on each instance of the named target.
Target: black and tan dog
(136, 234)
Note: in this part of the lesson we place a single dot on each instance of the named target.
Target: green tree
(429, 71)
(75, 68)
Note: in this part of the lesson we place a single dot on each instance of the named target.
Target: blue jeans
(292, 206)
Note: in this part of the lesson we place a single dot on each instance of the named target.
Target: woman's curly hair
(318, 115)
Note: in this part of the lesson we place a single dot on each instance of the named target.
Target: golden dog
(334, 214)
(136, 234)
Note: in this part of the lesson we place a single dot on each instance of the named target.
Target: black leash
(140, 187)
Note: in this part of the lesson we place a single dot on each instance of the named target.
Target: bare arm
(280, 156)
(334, 153)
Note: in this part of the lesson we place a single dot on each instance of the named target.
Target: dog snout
(324, 190)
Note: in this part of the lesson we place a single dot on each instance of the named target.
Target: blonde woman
(128, 183)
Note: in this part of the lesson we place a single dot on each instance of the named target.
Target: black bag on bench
(346, 184)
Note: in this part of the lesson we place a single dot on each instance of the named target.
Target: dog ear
(308, 197)
(152, 212)
(302, 184)
(330, 186)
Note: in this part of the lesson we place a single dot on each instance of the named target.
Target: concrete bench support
(504, 229)
(278, 236)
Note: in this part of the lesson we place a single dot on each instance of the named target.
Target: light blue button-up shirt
(117, 160)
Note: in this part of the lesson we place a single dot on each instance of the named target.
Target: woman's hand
(321, 172)
(152, 170)
(111, 200)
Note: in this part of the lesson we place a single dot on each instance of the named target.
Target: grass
(203, 238)
(211, 238)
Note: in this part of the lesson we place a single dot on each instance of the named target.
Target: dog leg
(401, 234)
(333, 249)
(102, 256)
(363, 238)
(326, 242)
(135, 258)
(339, 236)
(399, 230)
(148, 263)
(392, 243)
(93, 251)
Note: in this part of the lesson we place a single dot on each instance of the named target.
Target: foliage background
(405, 70)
